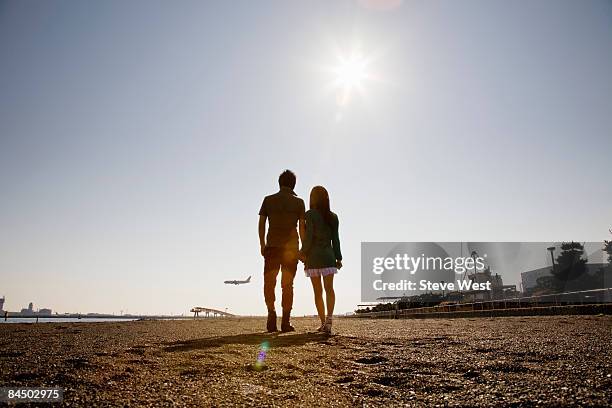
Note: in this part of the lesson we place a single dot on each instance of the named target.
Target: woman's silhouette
(321, 253)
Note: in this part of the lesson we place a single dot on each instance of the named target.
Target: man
(283, 211)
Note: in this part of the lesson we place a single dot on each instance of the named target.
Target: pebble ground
(503, 362)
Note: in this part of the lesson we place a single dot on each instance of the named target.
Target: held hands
(300, 255)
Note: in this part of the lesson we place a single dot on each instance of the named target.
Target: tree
(570, 264)
(608, 248)
(546, 285)
(601, 273)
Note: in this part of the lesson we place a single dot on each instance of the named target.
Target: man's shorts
(284, 258)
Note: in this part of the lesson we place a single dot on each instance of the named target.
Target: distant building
(2, 304)
(29, 311)
(529, 279)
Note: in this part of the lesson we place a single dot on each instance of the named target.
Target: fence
(583, 302)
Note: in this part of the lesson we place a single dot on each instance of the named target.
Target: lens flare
(261, 355)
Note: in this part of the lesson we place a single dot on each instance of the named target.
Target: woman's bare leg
(328, 282)
(318, 297)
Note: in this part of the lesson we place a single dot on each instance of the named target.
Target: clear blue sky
(138, 138)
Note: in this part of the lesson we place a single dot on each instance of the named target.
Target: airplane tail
(248, 279)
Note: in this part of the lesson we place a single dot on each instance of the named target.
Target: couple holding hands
(320, 252)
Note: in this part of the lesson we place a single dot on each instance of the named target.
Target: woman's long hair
(319, 200)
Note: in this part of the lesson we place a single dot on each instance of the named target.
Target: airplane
(237, 282)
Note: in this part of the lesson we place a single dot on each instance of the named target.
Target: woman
(321, 253)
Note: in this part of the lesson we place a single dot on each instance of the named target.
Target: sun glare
(351, 72)
(349, 75)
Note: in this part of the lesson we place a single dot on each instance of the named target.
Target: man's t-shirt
(283, 210)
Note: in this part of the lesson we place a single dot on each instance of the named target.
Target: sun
(351, 72)
(349, 75)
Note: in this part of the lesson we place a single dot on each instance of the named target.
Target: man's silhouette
(283, 211)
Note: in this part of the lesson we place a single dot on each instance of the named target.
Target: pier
(208, 312)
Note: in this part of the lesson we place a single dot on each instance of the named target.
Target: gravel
(512, 361)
